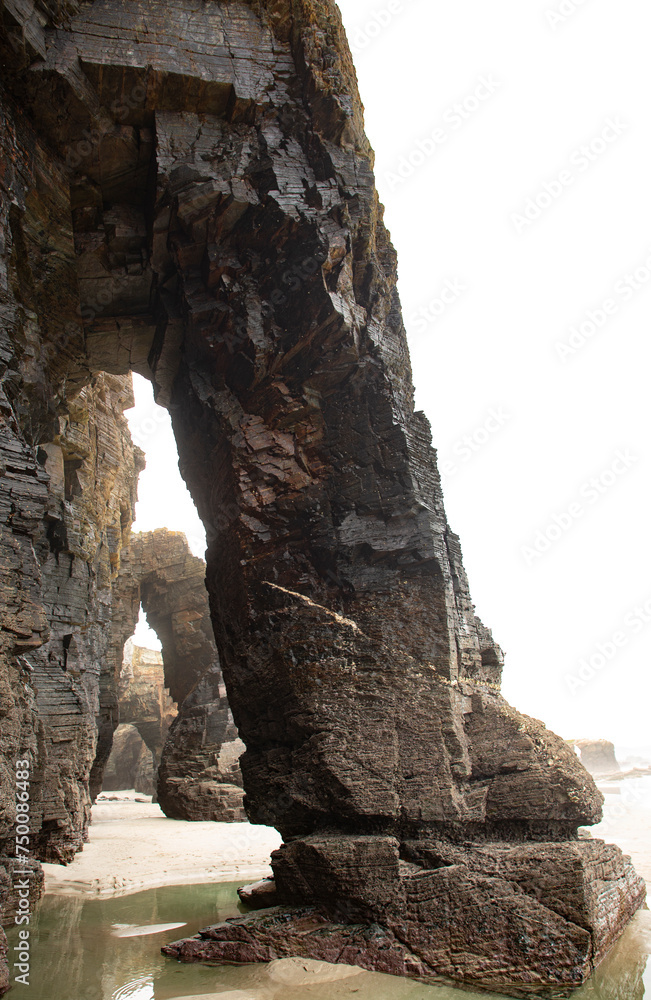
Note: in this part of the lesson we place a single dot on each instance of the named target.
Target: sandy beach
(134, 846)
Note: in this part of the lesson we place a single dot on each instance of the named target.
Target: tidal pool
(109, 949)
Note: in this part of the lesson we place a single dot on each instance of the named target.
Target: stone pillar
(229, 243)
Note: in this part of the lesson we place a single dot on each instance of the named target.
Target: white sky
(500, 293)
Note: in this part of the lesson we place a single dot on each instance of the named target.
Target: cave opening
(146, 712)
(168, 728)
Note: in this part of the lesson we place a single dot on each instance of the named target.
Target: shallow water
(80, 951)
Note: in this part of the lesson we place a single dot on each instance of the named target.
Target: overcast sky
(513, 149)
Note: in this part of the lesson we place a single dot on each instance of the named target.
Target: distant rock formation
(145, 704)
(131, 764)
(598, 756)
(159, 571)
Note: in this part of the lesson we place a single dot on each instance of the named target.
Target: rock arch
(158, 571)
(188, 193)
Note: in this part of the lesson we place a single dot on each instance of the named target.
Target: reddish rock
(259, 895)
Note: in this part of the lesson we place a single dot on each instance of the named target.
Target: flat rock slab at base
(259, 895)
(473, 915)
(304, 931)
(290, 932)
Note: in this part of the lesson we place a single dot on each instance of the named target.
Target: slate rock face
(188, 193)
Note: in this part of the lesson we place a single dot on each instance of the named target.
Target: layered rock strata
(145, 702)
(190, 195)
(68, 473)
(131, 763)
(197, 779)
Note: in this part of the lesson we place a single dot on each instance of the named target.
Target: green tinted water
(80, 952)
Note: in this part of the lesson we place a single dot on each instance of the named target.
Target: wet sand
(134, 846)
(627, 820)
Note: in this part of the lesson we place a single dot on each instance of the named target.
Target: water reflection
(76, 955)
(139, 989)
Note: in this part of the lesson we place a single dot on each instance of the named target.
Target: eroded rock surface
(131, 763)
(145, 703)
(198, 778)
(188, 193)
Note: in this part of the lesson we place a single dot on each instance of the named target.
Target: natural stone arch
(159, 572)
(258, 292)
(131, 763)
(145, 703)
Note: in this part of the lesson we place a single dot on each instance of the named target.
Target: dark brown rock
(199, 777)
(258, 292)
(514, 919)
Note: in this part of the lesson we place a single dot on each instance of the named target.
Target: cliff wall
(190, 195)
